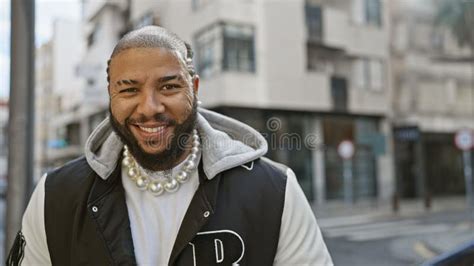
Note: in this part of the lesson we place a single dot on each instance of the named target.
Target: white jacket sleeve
(301, 241)
(33, 229)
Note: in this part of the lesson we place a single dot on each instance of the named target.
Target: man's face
(152, 102)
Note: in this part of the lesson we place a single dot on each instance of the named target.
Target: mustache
(159, 118)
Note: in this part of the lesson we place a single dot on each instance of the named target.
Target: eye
(128, 90)
(168, 87)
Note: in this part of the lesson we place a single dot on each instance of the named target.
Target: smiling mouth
(152, 129)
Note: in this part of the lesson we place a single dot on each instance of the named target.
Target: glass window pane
(373, 9)
(239, 49)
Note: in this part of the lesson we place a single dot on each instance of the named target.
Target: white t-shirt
(155, 220)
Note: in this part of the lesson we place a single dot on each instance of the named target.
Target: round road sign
(346, 149)
(464, 139)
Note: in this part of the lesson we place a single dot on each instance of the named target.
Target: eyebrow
(127, 82)
(168, 78)
(160, 80)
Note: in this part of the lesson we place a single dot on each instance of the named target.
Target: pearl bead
(182, 177)
(127, 161)
(196, 143)
(189, 165)
(156, 188)
(194, 150)
(132, 172)
(142, 182)
(195, 137)
(171, 186)
(192, 157)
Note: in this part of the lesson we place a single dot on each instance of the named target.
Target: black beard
(166, 159)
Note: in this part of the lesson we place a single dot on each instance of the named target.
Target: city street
(394, 240)
(381, 239)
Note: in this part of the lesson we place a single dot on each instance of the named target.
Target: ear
(196, 84)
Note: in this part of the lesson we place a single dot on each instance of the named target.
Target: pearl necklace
(171, 184)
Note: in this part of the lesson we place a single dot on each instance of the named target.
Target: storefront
(363, 132)
(427, 164)
(288, 132)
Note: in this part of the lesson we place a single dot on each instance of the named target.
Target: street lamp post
(21, 124)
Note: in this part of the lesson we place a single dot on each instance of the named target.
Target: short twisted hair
(155, 37)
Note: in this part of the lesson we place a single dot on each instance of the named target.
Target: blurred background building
(60, 94)
(378, 73)
(433, 98)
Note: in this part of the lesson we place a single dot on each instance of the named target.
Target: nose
(150, 104)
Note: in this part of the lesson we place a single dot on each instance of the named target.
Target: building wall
(432, 95)
(66, 83)
(44, 106)
(415, 88)
(281, 80)
(102, 32)
(428, 85)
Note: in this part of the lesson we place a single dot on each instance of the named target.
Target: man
(164, 182)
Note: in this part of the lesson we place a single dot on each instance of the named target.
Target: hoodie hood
(225, 144)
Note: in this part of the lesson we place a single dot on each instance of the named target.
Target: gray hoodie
(226, 143)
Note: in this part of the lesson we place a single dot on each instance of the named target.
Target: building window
(93, 36)
(73, 134)
(207, 45)
(368, 74)
(373, 12)
(225, 47)
(314, 22)
(339, 93)
(367, 12)
(238, 49)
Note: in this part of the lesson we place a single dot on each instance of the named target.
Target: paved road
(372, 240)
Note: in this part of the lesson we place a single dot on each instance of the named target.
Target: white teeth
(152, 129)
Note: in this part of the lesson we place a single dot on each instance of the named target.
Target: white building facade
(433, 98)
(59, 91)
(318, 69)
(306, 74)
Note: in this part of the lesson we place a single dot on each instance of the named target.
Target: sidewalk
(407, 208)
(418, 247)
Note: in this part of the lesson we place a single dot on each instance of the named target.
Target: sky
(46, 12)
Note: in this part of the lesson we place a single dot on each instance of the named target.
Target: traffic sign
(346, 149)
(464, 139)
